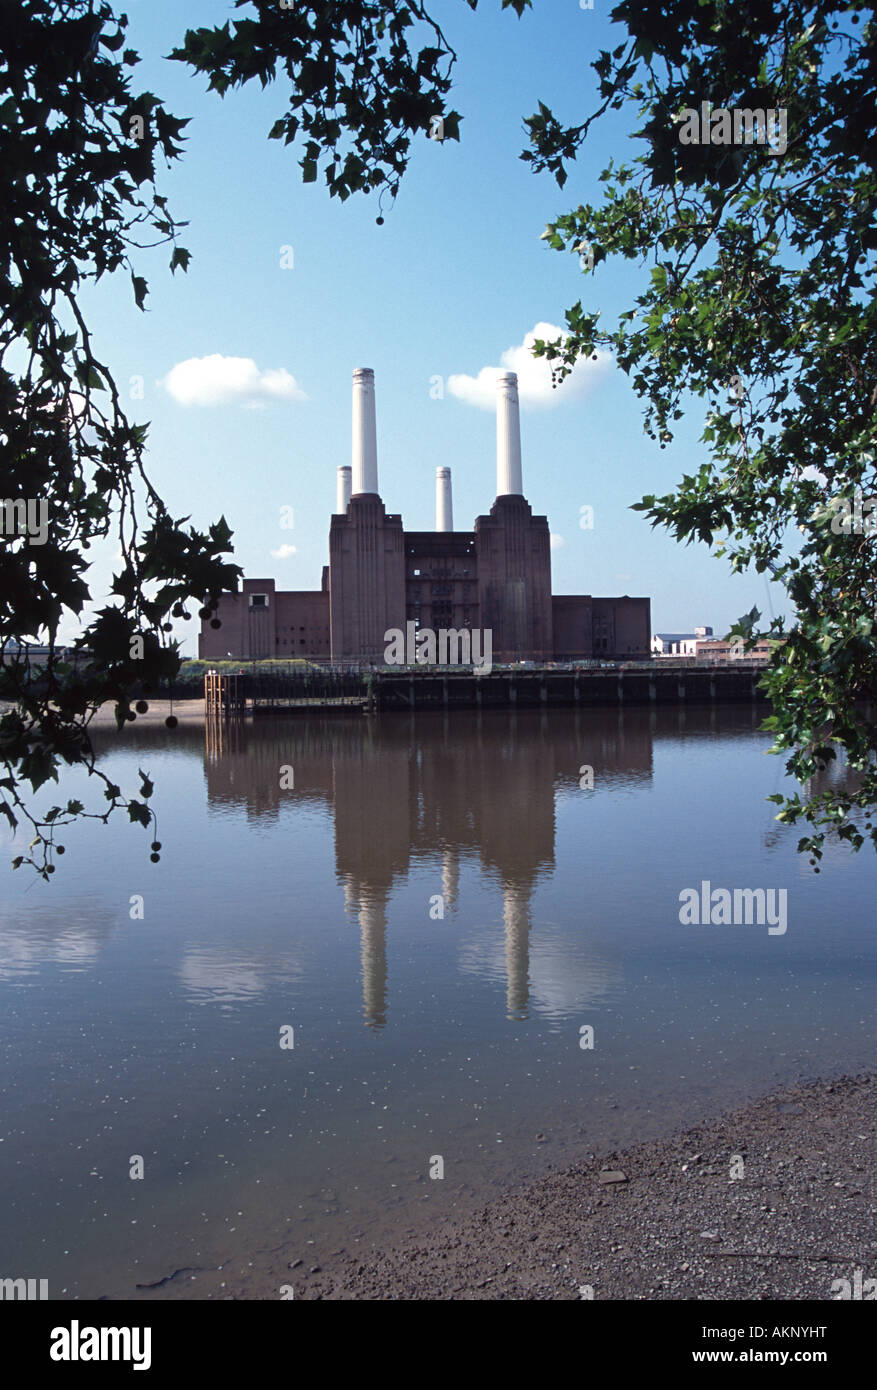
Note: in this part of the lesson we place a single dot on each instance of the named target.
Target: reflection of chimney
(343, 494)
(373, 954)
(516, 919)
(365, 444)
(508, 437)
(444, 508)
(450, 874)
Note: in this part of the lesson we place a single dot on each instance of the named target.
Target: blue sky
(456, 276)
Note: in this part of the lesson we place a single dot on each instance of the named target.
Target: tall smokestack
(343, 494)
(444, 507)
(365, 445)
(508, 437)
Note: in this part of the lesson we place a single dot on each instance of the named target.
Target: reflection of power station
(475, 789)
(450, 875)
(516, 924)
(371, 910)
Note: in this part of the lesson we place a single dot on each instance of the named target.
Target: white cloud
(218, 380)
(284, 552)
(811, 474)
(556, 541)
(534, 375)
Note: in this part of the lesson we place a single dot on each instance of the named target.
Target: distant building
(381, 577)
(719, 650)
(678, 643)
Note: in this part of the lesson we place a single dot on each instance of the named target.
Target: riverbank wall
(540, 689)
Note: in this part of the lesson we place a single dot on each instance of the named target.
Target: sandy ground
(186, 711)
(678, 1226)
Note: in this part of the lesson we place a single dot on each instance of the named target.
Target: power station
(381, 577)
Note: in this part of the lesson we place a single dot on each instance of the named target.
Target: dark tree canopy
(760, 302)
(78, 152)
(357, 92)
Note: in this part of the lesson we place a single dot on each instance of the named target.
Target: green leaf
(140, 289)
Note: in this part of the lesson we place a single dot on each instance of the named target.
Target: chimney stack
(444, 507)
(508, 437)
(365, 447)
(342, 496)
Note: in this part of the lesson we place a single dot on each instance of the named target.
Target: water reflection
(485, 798)
(70, 936)
(414, 1034)
(217, 977)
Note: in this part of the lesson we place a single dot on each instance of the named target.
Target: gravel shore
(663, 1220)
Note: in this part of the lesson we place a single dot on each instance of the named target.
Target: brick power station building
(380, 576)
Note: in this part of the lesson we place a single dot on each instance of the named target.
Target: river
(466, 931)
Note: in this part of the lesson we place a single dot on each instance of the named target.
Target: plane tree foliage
(757, 310)
(78, 155)
(358, 86)
(755, 305)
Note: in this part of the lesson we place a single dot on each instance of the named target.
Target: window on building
(258, 600)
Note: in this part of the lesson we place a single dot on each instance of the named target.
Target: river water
(430, 910)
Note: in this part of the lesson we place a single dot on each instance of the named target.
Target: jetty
(383, 689)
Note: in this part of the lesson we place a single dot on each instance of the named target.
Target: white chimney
(444, 507)
(365, 446)
(342, 496)
(508, 437)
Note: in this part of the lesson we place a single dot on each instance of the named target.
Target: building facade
(380, 577)
(679, 643)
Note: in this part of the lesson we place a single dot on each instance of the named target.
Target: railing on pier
(296, 687)
(304, 686)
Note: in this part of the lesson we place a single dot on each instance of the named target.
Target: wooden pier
(622, 685)
(296, 691)
(223, 696)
